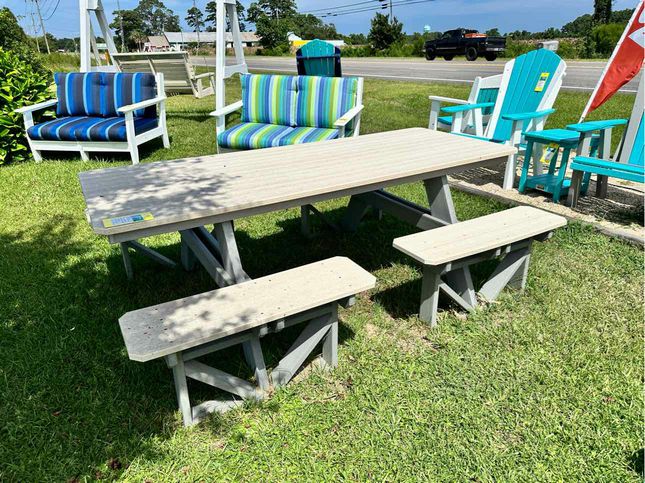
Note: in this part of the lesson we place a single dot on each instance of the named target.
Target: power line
(374, 8)
(53, 11)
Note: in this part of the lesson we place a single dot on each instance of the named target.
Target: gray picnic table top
(188, 193)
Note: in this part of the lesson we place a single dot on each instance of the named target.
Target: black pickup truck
(466, 42)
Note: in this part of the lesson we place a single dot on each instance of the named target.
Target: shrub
(606, 37)
(515, 48)
(20, 85)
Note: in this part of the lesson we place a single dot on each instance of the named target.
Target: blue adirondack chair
(530, 83)
(628, 162)
(318, 58)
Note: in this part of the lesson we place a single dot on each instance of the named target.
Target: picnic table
(132, 202)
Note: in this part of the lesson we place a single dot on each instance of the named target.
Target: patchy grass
(544, 385)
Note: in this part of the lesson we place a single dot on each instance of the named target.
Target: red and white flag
(624, 63)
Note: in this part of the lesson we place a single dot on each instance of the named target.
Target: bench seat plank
(467, 238)
(174, 326)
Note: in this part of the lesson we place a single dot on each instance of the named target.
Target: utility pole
(391, 14)
(42, 25)
(33, 27)
(118, 6)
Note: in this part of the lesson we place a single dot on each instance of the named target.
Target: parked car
(466, 42)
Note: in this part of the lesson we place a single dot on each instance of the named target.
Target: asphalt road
(581, 75)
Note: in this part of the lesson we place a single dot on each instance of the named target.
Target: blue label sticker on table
(128, 219)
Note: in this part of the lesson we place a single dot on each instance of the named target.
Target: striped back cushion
(322, 100)
(268, 99)
(79, 94)
(121, 89)
(101, 94)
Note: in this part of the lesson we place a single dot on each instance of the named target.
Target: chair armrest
(348, 116)
(467, 107)
(227, 109)
(589, 126)
(523, 116)
(37, 107)
(142, 104)
(204, 75)
(451, 100)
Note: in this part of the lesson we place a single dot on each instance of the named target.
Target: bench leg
(255, 359)
(430, 295)
(442, 207)
(330, 342)
(305, 222)
(176, 362)
(300, 350)
(511, 270)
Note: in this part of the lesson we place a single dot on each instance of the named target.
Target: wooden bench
(507, 234)
(183, 330)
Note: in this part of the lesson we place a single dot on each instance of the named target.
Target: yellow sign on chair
(539, 87)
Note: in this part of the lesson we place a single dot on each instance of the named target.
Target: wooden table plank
(192, 192)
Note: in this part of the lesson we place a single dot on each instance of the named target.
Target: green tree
(12, 37)
(578, 27)
(602, 11)
(494, 32)
(356, 39)
(605, 37)
(383, 33)
(621, 16)
(273, 19)
(195, 19)
(132, 22)
(311, 27)
(211, 16)
(156, 17)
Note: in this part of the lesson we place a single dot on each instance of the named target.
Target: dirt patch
(620, 214)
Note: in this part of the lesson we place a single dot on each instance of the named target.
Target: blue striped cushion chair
(88, 104)
(281, 110)
(322, 100)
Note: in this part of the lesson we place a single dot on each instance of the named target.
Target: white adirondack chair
(485, 89)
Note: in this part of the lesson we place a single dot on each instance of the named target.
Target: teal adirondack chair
(530, 83)
(318, 58)
(485, 89)
(628, 161)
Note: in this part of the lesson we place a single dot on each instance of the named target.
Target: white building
(181, 40)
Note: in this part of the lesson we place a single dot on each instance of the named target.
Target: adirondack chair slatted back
(631, 151)
(175, 66)
(530, 83)
(318, 58)
(487, 94)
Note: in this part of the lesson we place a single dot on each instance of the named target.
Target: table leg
(217, 254)
(442, 207)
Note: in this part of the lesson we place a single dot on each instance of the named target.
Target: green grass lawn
(544, 385)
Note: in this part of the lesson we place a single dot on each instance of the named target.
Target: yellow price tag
(549, 152)
(539, 87)
(126, 220)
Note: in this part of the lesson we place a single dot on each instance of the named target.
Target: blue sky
(507, 15)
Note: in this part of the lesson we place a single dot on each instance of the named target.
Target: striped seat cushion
(101, 94)
(253, 135)
(322, 100)
(84, 128)
(268, 99)
(301, 135)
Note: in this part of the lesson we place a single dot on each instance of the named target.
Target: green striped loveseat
(279, 110)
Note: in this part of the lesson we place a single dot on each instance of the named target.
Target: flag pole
(613, 54)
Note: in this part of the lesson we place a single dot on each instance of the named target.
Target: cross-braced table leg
(217, 252)
(440, 213)
(143, 250)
